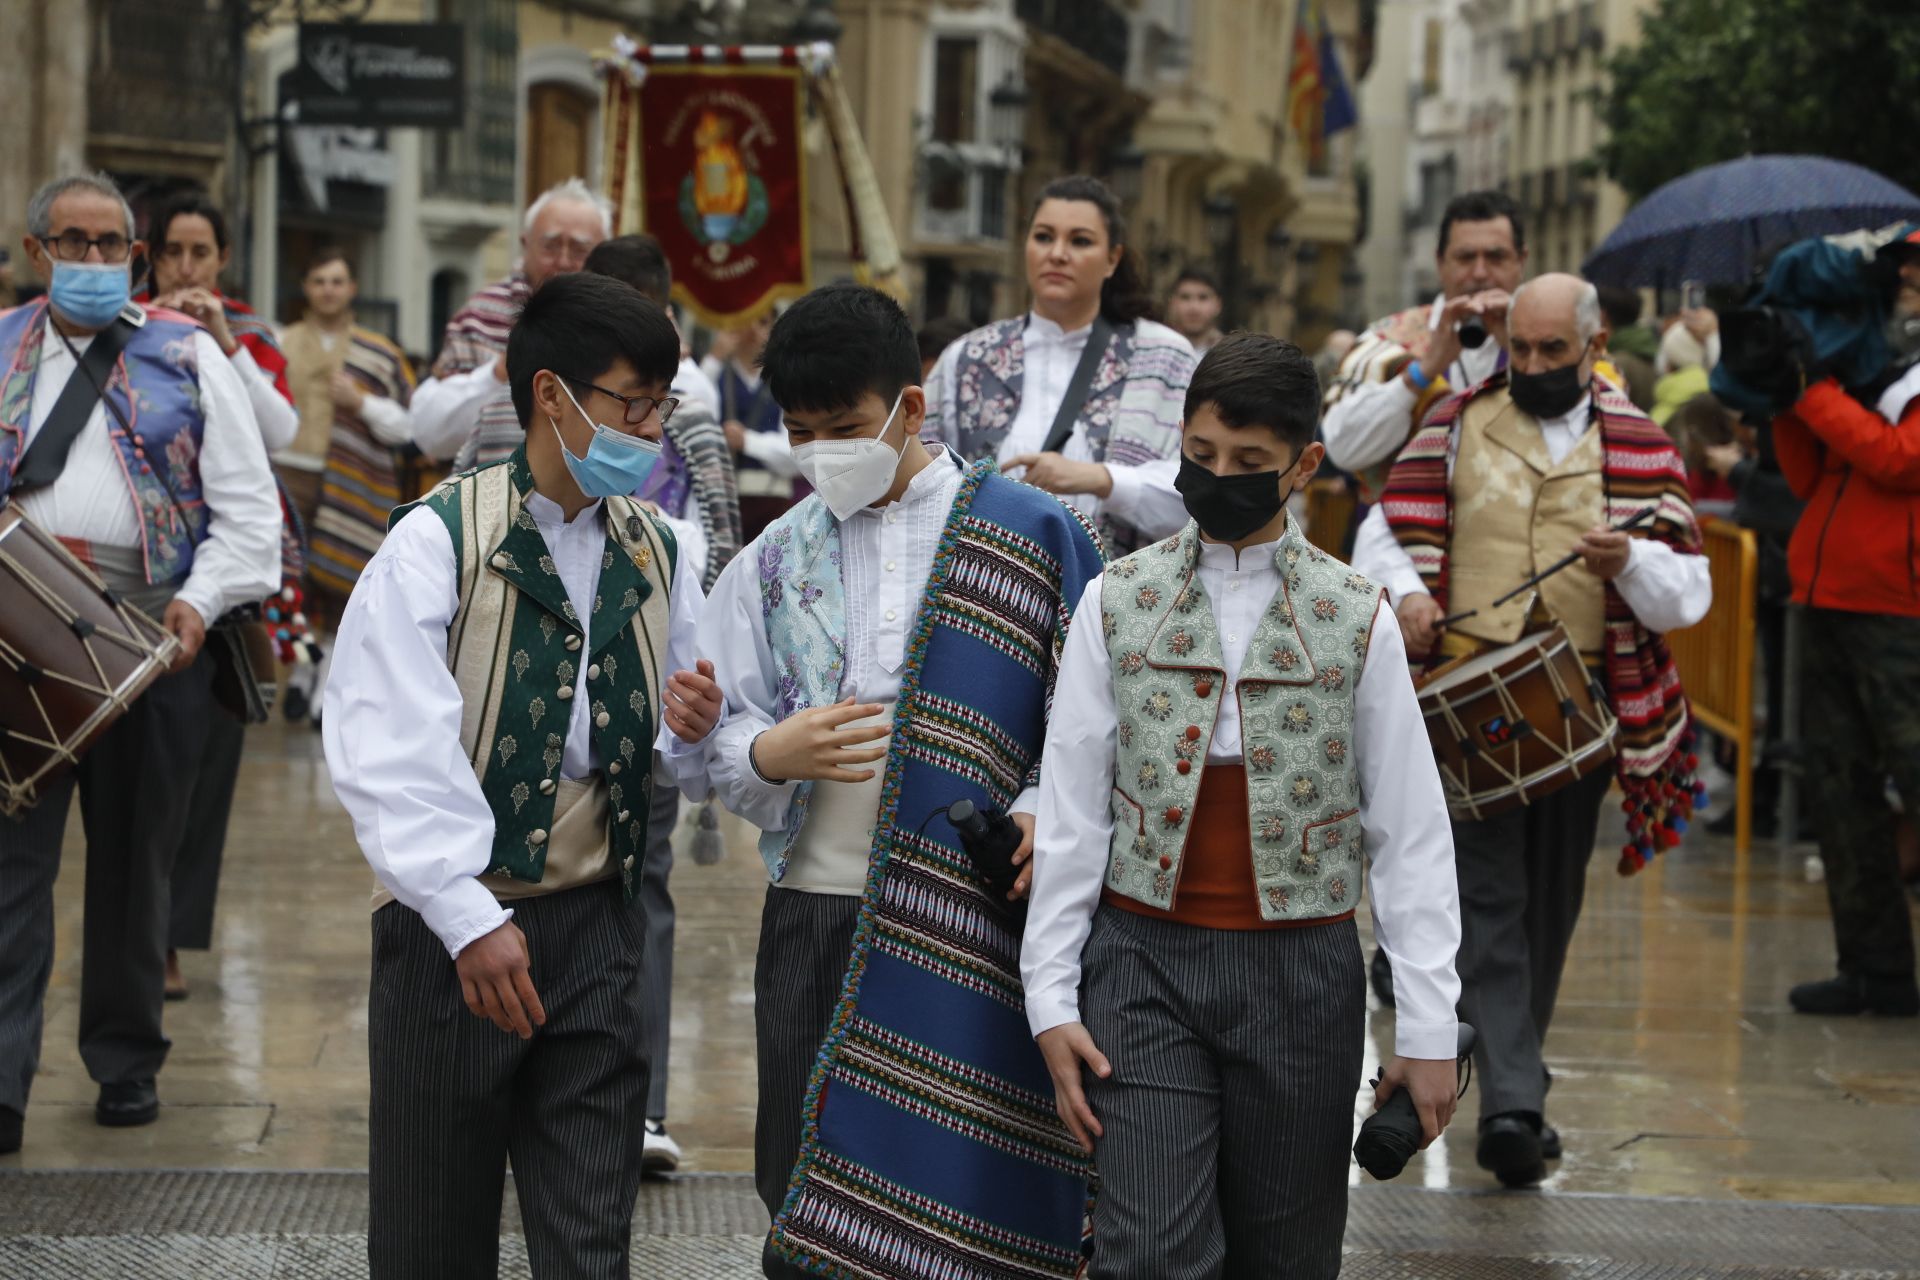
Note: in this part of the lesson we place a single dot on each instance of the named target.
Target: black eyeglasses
(638, 408)
(72, 244)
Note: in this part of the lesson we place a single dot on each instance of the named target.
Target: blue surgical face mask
(89, 294)
(616, 465)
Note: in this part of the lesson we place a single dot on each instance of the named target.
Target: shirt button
(537, 838)
(1193, 733)
(1183, 766)
(573, 642)
(1233, 639)
(889, 566)
(564, 692)
(889, 615)
(593, 672)
(602, 720)
(1234, 587)
(548, 786)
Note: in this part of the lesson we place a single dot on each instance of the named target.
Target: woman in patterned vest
(1235, 745)
(996, 393)
(499, 682)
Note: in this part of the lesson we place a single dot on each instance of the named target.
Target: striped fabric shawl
(477, 335)
(362, 483)
(931, 1149)
(1642, 469)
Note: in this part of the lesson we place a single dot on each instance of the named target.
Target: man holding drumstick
(1501, 482)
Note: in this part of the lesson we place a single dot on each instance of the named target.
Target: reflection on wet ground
(1679, 1070)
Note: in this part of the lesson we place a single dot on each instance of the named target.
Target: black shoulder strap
(1076, 398)
(46, 458)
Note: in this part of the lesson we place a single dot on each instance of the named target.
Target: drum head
(1493, 660)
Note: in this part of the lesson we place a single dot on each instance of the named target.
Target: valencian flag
(1319, 103)
(709, 160)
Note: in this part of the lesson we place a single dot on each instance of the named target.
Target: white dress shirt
(1370, 424)
(1667, 591)
(886, 555)
(239, 560)
(770, 449)
(392, 713)
(279, 422)
(1143, 495)
(1409, 839)
(445, 412)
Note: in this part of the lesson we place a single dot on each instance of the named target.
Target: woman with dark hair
(1003, 391)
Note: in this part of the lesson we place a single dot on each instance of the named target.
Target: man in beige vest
(1499, 483)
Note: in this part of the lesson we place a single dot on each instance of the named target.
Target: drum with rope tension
(73, 657)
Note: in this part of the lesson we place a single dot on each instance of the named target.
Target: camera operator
(1856, 461)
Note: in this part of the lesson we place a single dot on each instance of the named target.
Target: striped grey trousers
(454, 1098)
(806, 940)
(1229, 1114)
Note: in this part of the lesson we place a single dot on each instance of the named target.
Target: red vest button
(1174, 815)
(1193, 733)
(1165, 862)
(1184, 766)
(1203, 689)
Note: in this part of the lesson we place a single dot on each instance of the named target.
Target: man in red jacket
(1855, 559)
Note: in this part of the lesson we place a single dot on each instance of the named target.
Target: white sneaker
(660, 1154)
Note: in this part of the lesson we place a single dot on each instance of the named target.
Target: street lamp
(1007, 110)
(1126, 167)
(1220, 212)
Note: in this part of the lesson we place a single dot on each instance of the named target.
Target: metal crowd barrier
(1716, 658)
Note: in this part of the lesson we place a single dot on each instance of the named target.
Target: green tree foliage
(1713, 80)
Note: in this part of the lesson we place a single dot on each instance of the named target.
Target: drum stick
(1631, 522)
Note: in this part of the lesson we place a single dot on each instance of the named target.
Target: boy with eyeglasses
(498, 685)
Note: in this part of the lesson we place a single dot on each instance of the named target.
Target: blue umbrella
(1715, 223)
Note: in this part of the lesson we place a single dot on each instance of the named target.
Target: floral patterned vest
(1296, 717)
(514, 647)
(155, 386)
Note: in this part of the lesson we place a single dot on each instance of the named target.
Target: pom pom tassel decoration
(1659, 805)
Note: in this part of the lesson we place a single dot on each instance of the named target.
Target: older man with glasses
(174, 506)
(463, 411)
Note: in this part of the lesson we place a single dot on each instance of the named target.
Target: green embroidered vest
(1296, 719)
(514, 649)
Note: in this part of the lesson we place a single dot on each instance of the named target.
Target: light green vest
(1296, 721)
(516, 644)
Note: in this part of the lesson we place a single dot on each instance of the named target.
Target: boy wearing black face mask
(1235, 739)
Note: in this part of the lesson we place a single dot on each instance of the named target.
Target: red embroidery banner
(719, 176)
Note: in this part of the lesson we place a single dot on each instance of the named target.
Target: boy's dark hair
(941, 332)
(1258, 380)
(837, 344)
(577, 325)
(1195, 275)
(190, 204)
(327, 256)
(1621, 306)
(637, 260)
(1481, 206)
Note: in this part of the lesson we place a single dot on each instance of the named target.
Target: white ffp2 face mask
(851, 474)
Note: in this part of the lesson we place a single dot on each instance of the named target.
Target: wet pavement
(1679, 1070)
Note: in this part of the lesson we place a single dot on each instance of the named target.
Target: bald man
(1499, 482)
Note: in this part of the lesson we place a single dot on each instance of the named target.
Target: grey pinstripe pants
(806, 940)
(453, 1097)
(657, 901)
(1229, 1113)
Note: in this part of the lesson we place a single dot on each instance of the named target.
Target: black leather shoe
(1850, 994)
(123, 1106)
(10, 1124)
(1380, 974)
(1510, 1149)
(1549, 1142)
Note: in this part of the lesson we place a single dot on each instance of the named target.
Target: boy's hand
(495, 982)
(1434, 1085)
(694, 703)
(1022, 857)
(1065, 1048)
(811, 745)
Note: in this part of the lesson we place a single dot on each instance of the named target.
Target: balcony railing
(1096, 28)
(164, 71)
(477, 162)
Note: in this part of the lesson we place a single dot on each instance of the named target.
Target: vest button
(1203, 689)
(593, 672)
(573, 642)
(602, 720)
(547, 786)
(537, 838)
(1173, 815)
(1193, 733)
(1166, 863)
(1183, 766)
(613, 766)
(624, 815)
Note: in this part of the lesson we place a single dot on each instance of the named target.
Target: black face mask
(1548, 395)
(1228, 508)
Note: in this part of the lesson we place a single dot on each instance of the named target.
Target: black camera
(1389, 1137)
(991, 838)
